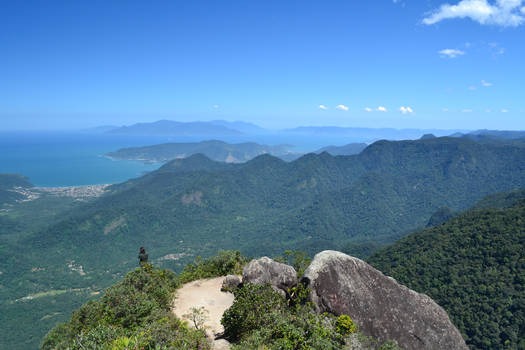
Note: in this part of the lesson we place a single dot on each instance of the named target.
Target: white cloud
(215, 106)
(378, 109)
(467, 111)
(506, 13)
(323, 107)
(406, 110)
(451, 53)
(446, 110)
(342, 108)
(472, 88)
(486, 83)
(504, 111)
(523, 10)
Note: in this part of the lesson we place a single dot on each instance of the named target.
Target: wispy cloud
(486, 83)
(506, 13)
(406, 110)
(378, 109)
(215, 106)
(467, 110)
(323, 107)
(472, 88)
(451, 53)
(504, 111)
(342, 108)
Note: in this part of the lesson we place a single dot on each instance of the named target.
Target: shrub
(226, 262)
(261, 319)
(344, 325)
(134, 313)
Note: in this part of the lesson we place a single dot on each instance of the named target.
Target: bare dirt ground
(204, 293)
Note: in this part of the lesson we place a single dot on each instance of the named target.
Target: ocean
(56, 159)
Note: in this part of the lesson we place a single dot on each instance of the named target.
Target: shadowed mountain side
(473, 267)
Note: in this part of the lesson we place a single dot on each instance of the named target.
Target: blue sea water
(53, 159)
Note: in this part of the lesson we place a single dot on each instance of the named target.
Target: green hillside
(8, 182)
(474, 267)
(195, 206)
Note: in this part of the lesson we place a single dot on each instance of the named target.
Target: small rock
(229, 283)
(266, 270)
(220, 344)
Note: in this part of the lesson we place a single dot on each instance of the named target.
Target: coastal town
(78, 192)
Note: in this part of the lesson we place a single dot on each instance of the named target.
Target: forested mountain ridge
(389, 188)
(195, 206)
(474, 267)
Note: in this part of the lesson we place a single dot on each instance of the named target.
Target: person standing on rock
(143, 256)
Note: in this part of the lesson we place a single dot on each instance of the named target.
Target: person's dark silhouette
(143, 256)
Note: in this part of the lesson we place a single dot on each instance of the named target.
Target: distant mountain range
(173, 128)
(215, 150)
(222, 128)
(346, 150)
(222, 152)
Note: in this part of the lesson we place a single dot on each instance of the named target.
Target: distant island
(222, 151)
(215, 150)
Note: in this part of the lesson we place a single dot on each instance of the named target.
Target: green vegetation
(135, 313)
(442, 215)
(195, 207)
(7, 183)
(474, 267)
(224, 263)
(261, 318)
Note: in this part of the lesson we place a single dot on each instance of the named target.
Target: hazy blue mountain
(367, 134)
(504, 134)
(244, 127)
(346, 150)
(99, 129)
(174, 128)
(215, 150)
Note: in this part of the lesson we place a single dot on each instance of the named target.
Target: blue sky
(422, 64)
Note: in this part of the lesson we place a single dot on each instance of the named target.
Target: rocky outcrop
(266, 270)
(230, 282)
(381, 307)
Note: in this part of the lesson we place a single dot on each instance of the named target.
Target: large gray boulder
(266, 270)
(381, 307)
